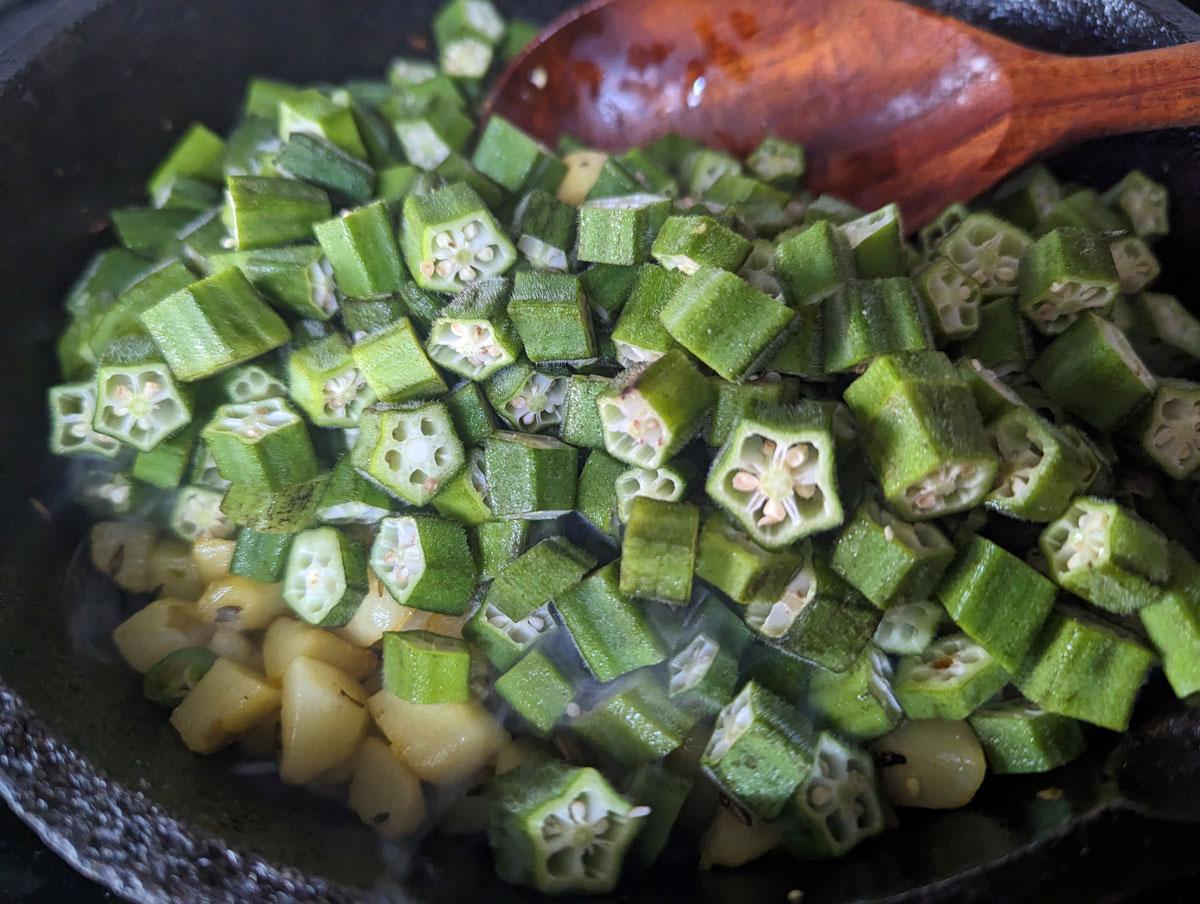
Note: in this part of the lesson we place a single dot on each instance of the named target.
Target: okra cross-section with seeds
(1170, 434)
(410, 452)
(666, 483)
(951, 298)
(1040, 469)
(473, 335)
(425, 563)
(197, 514)
(728, 559)
(948, 680)
(1137, 267)
(326, 383)
(702, 677)
(908, 628)
(72, 412)
(450, 239)
(504, 640)
(1144, 202)
(140, 404)
(265, 444)
(528, 399)
(989, 251)
(326, 576)
(1064, 273)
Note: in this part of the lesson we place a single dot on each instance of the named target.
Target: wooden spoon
(892, 102)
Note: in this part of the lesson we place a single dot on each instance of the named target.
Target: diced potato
(340, 775)
(289, 638)
(229, 643)
(262, 741)
(164, 626)
(212, 558)
(376, 615)
(324, 718)
(730, 841)
(242, 603)
(229, 701)
(172, 569)
(443, 743)
(121, 550)
(583, 169)
(385, 793)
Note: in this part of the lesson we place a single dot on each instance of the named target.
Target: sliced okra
(473, 417)
(1172, 623)
(702, 677)
(989, 251)
(950, 679)
(186, 193)
(1083, 667)
(581, 424)
(1019, 737)
(702, 167)
(326, 576)
(597, 494)
(450, 239)
(501, 639)
(545, 230)
(667, 483)
(72, 413)
(394, 364)
(327, 385)
(552, 317)
(635, 723)
(310, 112)
(264, 444)
(1064, 273)
(651, 411)
(615, 180)
(410, 452)
(295, 277)
(647, 173)
(1085, 209)
(951, 299)
(166, 465)
(731, 561)
(1002, 343)
(1145, 203)
(510, 157)
(122, 318)
(734, 401)
(1137, 267)
(404, 72)
(260, 556)
(149, 231)
(424, 562)
(801, 352)
(760, 751)
(935, 232)
(320, 162)
(198, 153)
(423, 667)
(620, 230)
(734, 191)
(537, 690)
(289, 510)
(457, 169)
(663, 793)
(360, 246)
(174, 676)
(1168, 335)
(1093, 372)
(467, 32)
(868, 318)
(1107, 555)
(204, 471)
(530, 476)
(498, 543)
(877, 241)
(1028, 197)
(992, 395)
(689, 243)
(252, 383)
(778, 163)
(560, 828)
(776, 476)
(473, 335)
(1170, 434)
(137, 404)
(197, 514)
(782, 674)
(528, 399)
(538, 576)
(639, 335)
(907, 629)
(264, 211)
(1040, 469)
(860, 702)
(658, 550)
(608, 287)
(759, 269)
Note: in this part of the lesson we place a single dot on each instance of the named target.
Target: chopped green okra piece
(636, 724)
(859, 702)
(395, 366)
(324, 381)
(467, 32)
(779, 163)
(639, 335)
(138, 404)
(724, 321)
(620, 230)
(1019, 737)
(769, 666)
(498, 543)
(429, 130)
(530, 476)
(950, 679)
(615, 180)
(1165, 333)
(204, 471)
(519, 35)
(465, 498)
(526, 398)
(689, 243)
(545, 230)
(538, 576)
(934, 233)
(502, 640)
(172, 678)
(1040, 469)
(1093, 372)
(658, 551)
(263, 444)
(1170, 432)
(295, 277)
(263, 211)
(1085, 209)
(198, 153)
(759, 269)
(473, 335)
(410, 452)
(731, 561)
(425, 563)
(166, 465)
(473, 417)
(312, 113)
(326, 576)
(450, 240)
(734, 190)
(663, 793)
(989, 251)
(1107, 555)
(667, 483)
(908, 628)
(423, 667)
(877, 241)
(701, 169)
(457, 169)
(610, 630)
(702, 677)
(581, 425)
(1028, 197)
(734, 401)
(1173, 623)
(288, 511)
(537, 690)
(1137, 267)
(122, 318)
(868, 318)
(552, 317)
(1002, 343)
(951, 299)
(597, 493)
(993, 397)
(149, 231)
(198, 514)
(404, 72)
(1144, 202)
(760, 751)
(260, 556)
(776, 475)
(185, 193)
(1083, 667)
(801, 353)
(1064, 273)
(560, 828)
(72, 413)
(361, 248)
(651, 411)
(510, 157)
(106, 275)
(252, 383)
(647, 173)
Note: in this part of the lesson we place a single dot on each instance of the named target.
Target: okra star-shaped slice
(325, 382)
(426, 561)
(326, 576)
(72, 411)
(949, 680)
(989, 251)
(702, 676)
(263, 444)
(450, 239)
(473, 335)
(1171, 431)
(410, 452)
(1040, 469)
(1144, 201)
(1064, 273)
(776, 475)
(951, 299)
(528, 399)
(139, 404)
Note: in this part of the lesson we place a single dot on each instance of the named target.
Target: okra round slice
(473, 335)
(1173, 623)
(545, 231)
(776, 475)
(530, 476)
(466, 498)
(528, 399)
(621, 229)
(251, 383)
(504, 640)
(951, 299)
(596, 500)
(450, 239)
(1144, 201)
(877, 241)
(1064, 273)
(326, 576)
(932, 235)
(949, 680)
(759, 269)
(858, 702)
(197, 515)
(410, 452)
(467, 32)
(1171, 431)
(423, 667)
(1137, 267)
(552, 317)
(702, 677)
(349, 498)
(172, 678)
(139, 404)
(1002, 343)
(72, 413)
(424, 562)
(263, 444)
(988, 250)
(395, 366)
(779, 163)
(325, 382)
(1040, 470)
(639, 336)
(1019, 737)
(666, 483)
(560, 828)
(907, 629)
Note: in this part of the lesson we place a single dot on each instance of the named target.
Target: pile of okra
(703, 486)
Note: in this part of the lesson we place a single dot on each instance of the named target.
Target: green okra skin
(264, 444)
(395, 366)
(405, 72)
(702, 677)
(1002, 343)
(658, 550)
(1064, 273)
(537, 690)
(951, 299)
(166, 465)
(396, 182)
(528, 399)
(260, 556)
(464, 498)
(326, 384)
(781, 674)
(689, 243)
(700, 169)
(865, 319)
(149, 231)
(287, 511)
(172, 678)
(1170, 428)
(989, 251)
(504, 641)
(760, 751)
(581, 424)
(1019, 737)
(652, 410)
(186, 193)
(647, 173)
(532, 477)
(545, 231)
(466, 33)
(636, 723)
(781, 164)
(664, 793)
(72, 413)
(263, 97)
(668, 483)
(1028, 197)
(1040, 469)
(1107, 555)
(263, 211)
(251, 383)
(638, 334)
(614, 180)
(908, 628)
(510, 157)
(473, 417)
(122, 318)
(296, 278)
(1084, 209)
(552, 317)
(1165, 333)
(1172, 623)
(877, 242)
(361, 248)
(203, 471)
(325, 578)
(535, 813)
(949, 680)
(537, 577)
(311, 112)
(801, 353)
(450, 240)
(410, 452)
(1136, 265)
(456, 168)
(1095, 461)
(1144, 202)
(212, 325)
(734, 401)
(597, 493)
(425, 563)
(934, 233)
(830, 208)
(107, 274)
(497, 544)
(474, 335)
(998, 600)
(734, 191)
(1081, 666)
(441, 88)
(319, 162)
(610, 630)
(139, 405)
(620, 230)
(423, 667)
(199, 153)
(728, 559)
(251, 145)
(993, 397)
(724, 321)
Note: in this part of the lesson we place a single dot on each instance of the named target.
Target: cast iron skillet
(91, 94)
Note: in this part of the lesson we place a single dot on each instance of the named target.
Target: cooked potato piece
(212, 558)
(230, 644)
(583, 169)
(324, 717)
(376, 615)
(443, 743)
(229, 701)
(289, 638)
(121, 550)
(242, 603)
(730, 841)
(164, 626)
(385, 793)
(172, 569)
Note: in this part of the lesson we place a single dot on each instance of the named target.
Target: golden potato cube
(385, 793)
(212, 558)
(172, 569)
(443, 743)
(324, 717)
(162, 627)
(289, 638)
(242, 603)
(228, 701)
